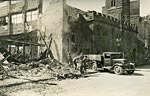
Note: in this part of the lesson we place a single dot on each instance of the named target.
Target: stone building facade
(95, 33)
(105, 34)
(144, 35)
(112, 8)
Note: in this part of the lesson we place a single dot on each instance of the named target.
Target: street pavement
(109, 84)
(93, 84)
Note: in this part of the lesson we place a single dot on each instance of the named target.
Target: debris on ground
(44, 67)
(49, 68)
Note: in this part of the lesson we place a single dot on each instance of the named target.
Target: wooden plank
(48, 47)
(21, 42)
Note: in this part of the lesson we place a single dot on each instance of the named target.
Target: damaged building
(18, 28)
(65, 29)
(88, 32)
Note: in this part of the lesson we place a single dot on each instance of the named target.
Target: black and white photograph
(74, 47)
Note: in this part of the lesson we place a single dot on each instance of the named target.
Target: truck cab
(114, 61)
(109, 56)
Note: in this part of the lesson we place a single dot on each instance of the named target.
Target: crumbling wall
(76, 34)
(52, 23)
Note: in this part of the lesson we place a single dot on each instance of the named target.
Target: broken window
(113, 3)
(34, 15)
(107, 55)
(14, 20)
(17, 18)
(31, 16)
(73, 39)
(91, 17)
(3, 21)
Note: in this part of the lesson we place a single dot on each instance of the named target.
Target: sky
(97, 5)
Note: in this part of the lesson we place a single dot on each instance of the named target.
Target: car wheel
(130, 72)
(118, 70)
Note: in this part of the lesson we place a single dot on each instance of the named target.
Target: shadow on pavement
(48, 83)
(103, 71)
(134, 74)
(29, 81)
(138, 74)
(90, 74)
(126, 74)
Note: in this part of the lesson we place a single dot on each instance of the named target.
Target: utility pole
(10, 30)
(122, 32)
(24, 9)
(40, 6)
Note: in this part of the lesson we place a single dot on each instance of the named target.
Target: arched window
(113, 3)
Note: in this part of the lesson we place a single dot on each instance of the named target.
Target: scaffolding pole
(10, 31)
(24, 9)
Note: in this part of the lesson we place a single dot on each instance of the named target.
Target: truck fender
(132, 64)
(117, 64)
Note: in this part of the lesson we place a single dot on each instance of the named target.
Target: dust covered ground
(91, 84)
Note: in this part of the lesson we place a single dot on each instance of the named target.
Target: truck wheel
(94, 66)
(130, 72)
(118, 70)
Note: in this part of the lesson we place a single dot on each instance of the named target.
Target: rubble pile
(46, 68)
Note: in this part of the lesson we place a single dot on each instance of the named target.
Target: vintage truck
(111, 61)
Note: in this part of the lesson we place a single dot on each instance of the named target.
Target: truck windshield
(116, 56)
